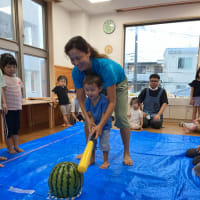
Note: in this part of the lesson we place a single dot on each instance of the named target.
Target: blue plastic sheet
(160, 171)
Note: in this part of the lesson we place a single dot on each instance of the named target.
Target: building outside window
(168, 49)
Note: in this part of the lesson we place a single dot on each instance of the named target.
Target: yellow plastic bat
(85, 159)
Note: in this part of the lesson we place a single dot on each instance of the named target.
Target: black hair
(7, 59)
(93, 79)
(134, 100)
(81, 44)
(154, 76)
(62, 77)
(197, 73)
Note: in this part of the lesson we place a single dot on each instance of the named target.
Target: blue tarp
(160, 171)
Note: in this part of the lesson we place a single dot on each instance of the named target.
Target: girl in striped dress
(13, 96)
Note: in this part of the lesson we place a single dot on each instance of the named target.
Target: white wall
(79, 24)
(65, 26)
(61, 33)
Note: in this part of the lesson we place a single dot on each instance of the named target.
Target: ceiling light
(97, 1)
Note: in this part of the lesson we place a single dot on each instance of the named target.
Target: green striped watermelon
(65, 180)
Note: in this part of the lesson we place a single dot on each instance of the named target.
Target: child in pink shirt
(13, 96)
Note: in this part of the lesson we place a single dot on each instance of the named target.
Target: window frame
(17, 44)
(154, 22)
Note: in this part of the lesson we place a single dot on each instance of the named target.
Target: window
(35, 76)
(33, 21)
(6, 20)
(28, 43)
(185, 63)
(168, 49)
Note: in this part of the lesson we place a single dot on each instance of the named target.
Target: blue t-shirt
(98, 110)
(110, 72)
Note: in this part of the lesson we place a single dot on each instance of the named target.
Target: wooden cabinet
(66, 71)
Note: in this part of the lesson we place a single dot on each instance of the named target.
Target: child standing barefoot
(13, 96)
(195, 95)
(136, 115)
(62, 93)
(96, 105)
(2, 97)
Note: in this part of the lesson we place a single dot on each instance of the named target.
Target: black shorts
(11, 123)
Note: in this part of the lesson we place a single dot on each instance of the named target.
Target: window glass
(169, 49)
(6, 19)
(33, 21)
(5, 51)
(35, 76)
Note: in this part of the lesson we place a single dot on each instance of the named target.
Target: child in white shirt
(136, 115)
(76, 114)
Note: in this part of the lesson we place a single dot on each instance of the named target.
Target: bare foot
(186, 130)
(3, 158)
(12, 151)
(79, 156)
(105, 165)
(17, 149)
(1, 165)
(127, 160)
(68, 125)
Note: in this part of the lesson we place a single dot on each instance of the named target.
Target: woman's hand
(91, 126)
(97, 130)
(156, 117)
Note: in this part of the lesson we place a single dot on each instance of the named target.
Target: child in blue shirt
(96, 105)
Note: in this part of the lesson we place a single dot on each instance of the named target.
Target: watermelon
(65, 181)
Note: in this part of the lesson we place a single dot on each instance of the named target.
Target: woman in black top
(62, 92)
(195, 95)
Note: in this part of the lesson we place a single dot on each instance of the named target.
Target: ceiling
(112, 6)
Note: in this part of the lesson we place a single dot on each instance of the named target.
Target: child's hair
(81, 44)
(197, 74)
(134, 100)
(93, 79)
(154, 76)
(6, 59)
(62, 77)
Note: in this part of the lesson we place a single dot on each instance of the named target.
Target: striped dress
(13, 92)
